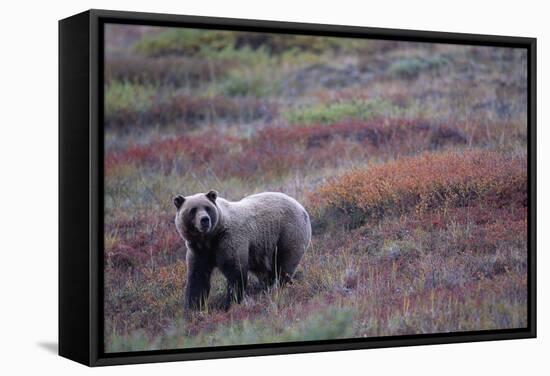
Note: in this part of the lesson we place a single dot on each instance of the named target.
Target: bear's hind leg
(289, 253)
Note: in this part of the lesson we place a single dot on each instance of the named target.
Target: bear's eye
(208, 209)
(193, 211)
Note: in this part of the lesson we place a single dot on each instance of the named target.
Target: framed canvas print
(236, 187)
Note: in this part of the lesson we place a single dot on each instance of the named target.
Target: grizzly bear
(266, 234)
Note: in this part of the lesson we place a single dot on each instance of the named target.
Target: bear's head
(197, 215)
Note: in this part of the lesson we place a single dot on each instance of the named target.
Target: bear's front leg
(237, 278)
(198, 281)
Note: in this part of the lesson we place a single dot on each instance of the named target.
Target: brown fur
(266, 234)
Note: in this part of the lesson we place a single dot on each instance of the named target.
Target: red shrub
(141, 239)
(273, 151)
(424, 183)
(191, 151)
(191, 110)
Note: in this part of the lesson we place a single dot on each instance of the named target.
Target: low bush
(274, 151)
(136, 240)
(410, 68)
(245, 83)
(180, 153)
(127, 97)
(186, 110)
(336, 112)
(186, 42)
(427, 182)
(183, 41)
(164, 71)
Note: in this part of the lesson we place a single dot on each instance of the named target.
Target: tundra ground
(411, 159)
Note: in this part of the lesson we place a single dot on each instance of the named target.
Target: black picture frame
(81, 184)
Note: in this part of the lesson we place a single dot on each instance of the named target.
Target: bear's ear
(212, 196)
(178, 201)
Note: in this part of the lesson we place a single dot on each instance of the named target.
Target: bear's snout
(204, 224)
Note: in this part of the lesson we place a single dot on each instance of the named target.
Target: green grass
(335, 112)
(182, 41)
(330, 323)
(247, 83)
(244, 57)
(126, 96)
(412, 67)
